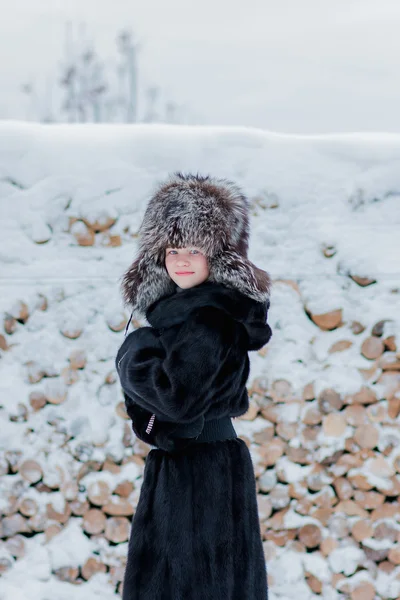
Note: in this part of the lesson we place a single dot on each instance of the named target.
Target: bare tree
(96, 90)
(128, 73)
(82, 79)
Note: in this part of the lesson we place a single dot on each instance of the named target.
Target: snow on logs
(327, 468)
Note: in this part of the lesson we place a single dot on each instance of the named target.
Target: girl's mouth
(184, 273)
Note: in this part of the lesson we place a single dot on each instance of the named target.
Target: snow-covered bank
(325, 224)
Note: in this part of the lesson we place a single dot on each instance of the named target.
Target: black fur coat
(195, 534)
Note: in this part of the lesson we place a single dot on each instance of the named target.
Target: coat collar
(175, 308)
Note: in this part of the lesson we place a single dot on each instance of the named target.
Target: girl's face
(187, 267)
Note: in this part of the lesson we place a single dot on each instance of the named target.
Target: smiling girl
(195, 533)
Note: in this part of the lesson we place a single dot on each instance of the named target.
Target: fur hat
(202, 211)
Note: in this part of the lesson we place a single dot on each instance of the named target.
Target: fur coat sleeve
(198, 372)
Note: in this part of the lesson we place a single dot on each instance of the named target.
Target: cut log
(117, 321)
(273, 451)
(393, 408)
(310, 535)
(77, 359)
(99, 221)
(267, 481)
(377, 413)
(386, 566)
(10, 324)
(117, 574)
(55, 515)
(38, 522)
(259, 386)
(118, 507)
(314, 584)
(360, 482)
(363, 591)
(364, 396)
(394, 555)
(308, 392)
(84, 235)
(318, 478)
(386, 511)
(280, 538)
(91, 567)
(339, 525)
(16, 545)
(98, 493)
(303, 506)
(323, 515)
(56, 391)
(355, 414)
(390, 383)
(265, 435)
(68, 574)
(279, 496)
(362, 281)
(79, 508)
(357, 327)
(20, 311)
(372, 347)
(340, 346)
(31, 471)
(329, 401)
(110, 378)
(124, 489)
(251, 413)
(94, 521)
(72, 331)
(361, 530)
(344, 489)
(389, 361)
(301, 456)
(37, 400)
(378, 328)
(327, 545)
(28, 507)
(69, 490)
(14, 524)
(369, 500)
(328, 321)
(367, 436)
(271, 413)
(120, 409)
(52, 530)
(334, 424)
(380, 466)
(117, 529)
(69, 376)
(385, 530)
(3, 343)
(371, 374)
(287, 431)
(390, 343)
(13, 458)
(264, 507)
(312, 416)
(281, 391)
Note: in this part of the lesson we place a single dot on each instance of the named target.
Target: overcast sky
(296, 66)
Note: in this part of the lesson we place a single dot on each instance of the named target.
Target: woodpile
(327, 465)
(328, 473)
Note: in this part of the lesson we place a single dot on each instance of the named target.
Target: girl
(195, 534)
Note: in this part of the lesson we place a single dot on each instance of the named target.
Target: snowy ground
(307, 193)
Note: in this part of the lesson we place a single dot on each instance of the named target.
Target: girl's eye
(174, 251)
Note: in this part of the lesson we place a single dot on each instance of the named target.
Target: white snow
(306, 192)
